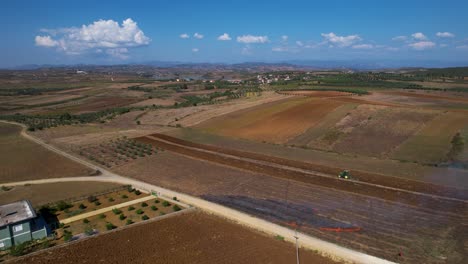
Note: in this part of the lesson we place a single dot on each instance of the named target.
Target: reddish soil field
(281, 127)
(316, 93)
(360, 176)
(276, 124)
(421, 233)
(190, 238)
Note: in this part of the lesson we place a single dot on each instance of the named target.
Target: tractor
(344, 175)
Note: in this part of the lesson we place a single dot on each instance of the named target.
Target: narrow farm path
(325, 248)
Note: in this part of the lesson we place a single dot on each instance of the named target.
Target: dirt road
(325, 248)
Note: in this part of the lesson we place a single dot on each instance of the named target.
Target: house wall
(5, 238)
(21, 232)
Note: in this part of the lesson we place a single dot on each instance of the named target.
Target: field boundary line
(325, 248)
(309, 172)
(154, 219)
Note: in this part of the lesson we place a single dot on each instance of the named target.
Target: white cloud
(198, 35)
(363, 46)
(399, 38)
(247, 50)
(107, 35)
(121, 53)
(464, 47)
(280, 49)
(443, 45)
(445, 35)
(422, 45)
(299, 43)
(184, 36)
(195, 50)
(340, 41)
(284, 38)
(45, 41)
(252, 39)
(224, 37)
(419, 36)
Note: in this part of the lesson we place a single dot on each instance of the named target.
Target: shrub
(102, 216)
(154, 208)
(129, 222)
(130, 189)
(111, 199)
(131, 208)
(6, 188)
(139, 211)
(92, 198)
(176, 208)
(97, 203)
(88, 230)
(82, 206)
(278, 237)
(166, 204)
(145, 217)
(124, 196)
(18, 250)
(110, 226)
(137, 192)
(62, 205)
(116, 211)
(143, 204)
(162, 213)
(122, 217)
(156, 201)
(67, 235)
(174, 198)
(85, 221)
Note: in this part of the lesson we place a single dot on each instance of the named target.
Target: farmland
(282, 201)
(22, 159)
(270, 149)
(40, 194)
(227, 243)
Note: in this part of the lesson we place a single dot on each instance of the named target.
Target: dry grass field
(432, 143)
(189, 238)
(40, 194)
(24, 160)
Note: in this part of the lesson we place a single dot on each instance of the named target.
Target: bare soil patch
(376, 131)
(203, 238)
(386, 227)
(40, 194)
(21, 159)
(320, 94)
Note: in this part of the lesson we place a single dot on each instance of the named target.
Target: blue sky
(68, 32)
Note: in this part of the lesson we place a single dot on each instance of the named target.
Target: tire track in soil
(387, 225)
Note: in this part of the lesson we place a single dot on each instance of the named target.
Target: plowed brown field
(422, 233)
(278, 125)
(189, 238)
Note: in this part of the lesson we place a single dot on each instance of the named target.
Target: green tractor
(344, 175)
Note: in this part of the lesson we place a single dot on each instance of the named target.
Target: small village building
(19, 223)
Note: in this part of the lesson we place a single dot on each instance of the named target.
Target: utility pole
(297, 246)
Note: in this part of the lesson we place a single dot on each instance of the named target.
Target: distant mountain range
(250, 66)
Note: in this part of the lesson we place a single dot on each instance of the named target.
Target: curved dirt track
(326, 248)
